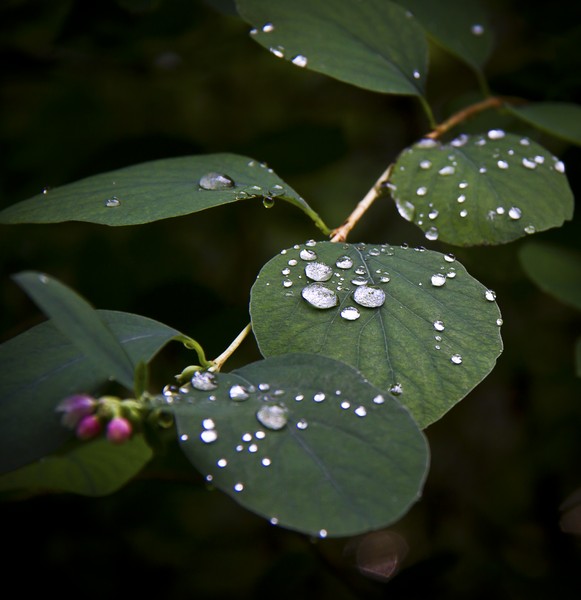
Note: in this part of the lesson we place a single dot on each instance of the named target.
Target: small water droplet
(463, 213)
(268, 202)
(299, 397)
(345, 405)
(247, 437)
(302, 424)
(369, 296)
(319, 296)
(502, 164)
(222, 462)
(208, 436)
(216, 181)
(496, 134)
(456, 359)
(278, 51)
(490, 295)
(267, 28)
(344, 262)
(350, 313)
(406, 209)
(482, 170)
(379, 399)
(287, 283)
(449, 258)
(360, 280)
(439, 325)
(427, 143)
(448, 170)
(259, 435)
(422, 190)
(460, 140)
(112, 202)
(319, 397)
(499, 322)
(360, 270)
(416, 74)
(238, 487)
(208, 424)
(307, 254)
(266, 462)
(293, 262)
(559, 166)
(299, 60)
(530, 229)
(184, 437)
(438, 279)
(425, 164)
(238, 393)
(529, 164)
(539, 159)
(204, 381)
(514, 213)
(433, 214)
(361, 411)
(318, 271)
(432, 233)
(477, 29)
(323, 533)
(451, 274)
(253, 448)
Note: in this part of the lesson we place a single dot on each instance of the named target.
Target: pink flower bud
(88, 427)
(119, 430)
(75, 408)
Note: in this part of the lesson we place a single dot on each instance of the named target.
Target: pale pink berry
(74, 408)
(88, 427)
(119, 430)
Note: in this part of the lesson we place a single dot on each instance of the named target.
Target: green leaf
(561, 119)
(155, 190)
(481, 189)
(371, 44)
(412, 343)
(42, 366)
(92, 469)
(460, 27)
(556, 271)
(75, 318)
(308, 444)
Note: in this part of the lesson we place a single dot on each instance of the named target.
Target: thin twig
(217, 363)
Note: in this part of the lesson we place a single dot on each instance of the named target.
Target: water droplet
(319, 397)
(344, 262)
(359, 280)
(463, 213)
(300, 61)
(302, 424)
(499, 322)
(318, 271)
(306, 254)
(477, 29)
(461, 198)
(425, 164)
(266, 462)
(323, 533)
(238, 487)
(208, 424)
(253, 448)
(204, 381)
(496, 134)
(514, 213)
(238, 393)
(184, 437)
(439, 325)
(247, 437)
(216, 181)
(369, 296)
(416, 74)
(268, 202)
(482, 170)
(222, 462)
(112, 202)
(448, 170)
(559, 166)
(350, 313)
(463, 185)
(293, 262)
(432, 233)
(433, 214)
(379, 399)
(267, 28)
(449, 258)
(530, 229)
(490, 295)
(278, 51)
(438, 279)
(287, 283)
(422, 190)
(456, 359)
(539, 159)
(460, 140)
(319, 296)
(427, 143)
(500, 210)
(529, 164)
(208, 436)
(361, 411)
(299, 397)
(502, 164)
(406, 209)
(345, 405)
(451, 274)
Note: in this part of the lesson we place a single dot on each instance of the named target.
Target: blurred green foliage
(88, 87)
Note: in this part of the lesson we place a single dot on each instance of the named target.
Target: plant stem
(191, 344)
(428, 110)
(340, 234)
(218, 362)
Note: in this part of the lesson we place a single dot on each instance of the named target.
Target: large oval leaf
(42, 366)
(155, 190)
(97, 468)
(458, 26)
(373, 44)
(306, 442)
(482, 189)
(433, 338)
(561, 119)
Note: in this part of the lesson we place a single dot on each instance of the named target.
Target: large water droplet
(318, 271)
(319, 296)
(405, 209)
(438, 279)
(204, 381)
(344, 262)
(307, 254)
(216, 181)
(238, 393)
(350, 313)
(112, 202)
(369, 296)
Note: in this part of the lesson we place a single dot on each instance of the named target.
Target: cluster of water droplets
(300, 60)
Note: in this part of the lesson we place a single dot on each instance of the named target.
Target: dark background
(92, 86)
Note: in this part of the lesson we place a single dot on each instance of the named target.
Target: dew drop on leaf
(302, 424)
(439, 325)
(369, 296)
(204, 381)
(477, 29)
(361, 411)
(238, 393)
(490, 295)
(208, 436)
(268, 202)
(299, 60)
(318, 271)
(344, 262)
(112, 202)
(438, 279)
(350, 313)
(560, 166)
(514, 213)
(319, 296)
(216, 181)
(306, 254)
(456, 359)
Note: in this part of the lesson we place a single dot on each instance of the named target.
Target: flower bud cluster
(89, 417)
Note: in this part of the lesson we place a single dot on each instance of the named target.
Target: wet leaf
(460, 27)
(481, 189)
(434, 337)
(561, 119)
(42, 366)
(155, 190)
(372, 44)
(306, 442)
(556, 271)
(92, 469)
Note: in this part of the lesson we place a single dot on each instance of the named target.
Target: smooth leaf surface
(371, 44)
(41, 366)
(431, 343)
(460, 27)
(76, 319)
(481, 189)
(556, 271)
(313, 446)
(92, 469)
(152, 191)
(561, 119)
